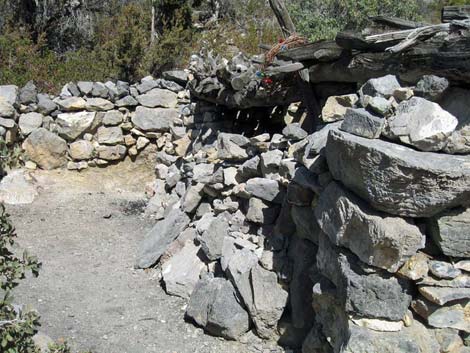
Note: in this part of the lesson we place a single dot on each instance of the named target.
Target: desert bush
(322, 19)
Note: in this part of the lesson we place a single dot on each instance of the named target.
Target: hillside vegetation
(117, 43)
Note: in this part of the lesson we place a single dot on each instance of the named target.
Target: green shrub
(322, 19)
(17, 326)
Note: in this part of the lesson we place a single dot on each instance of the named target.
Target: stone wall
(94, 124)
(350, 239)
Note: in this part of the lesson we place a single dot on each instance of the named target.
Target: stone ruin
(353, 237)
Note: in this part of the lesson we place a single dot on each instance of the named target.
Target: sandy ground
(85, 228)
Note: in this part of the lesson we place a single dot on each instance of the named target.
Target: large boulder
(376, 238)
(160, 237)
(73, 125)
(46, 149)
(158, 119)
(396, 179)
(422, 124)
(215, 305)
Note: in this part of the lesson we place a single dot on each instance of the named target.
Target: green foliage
(17, 326)
(123, 40)
(10, 155)
(22, 60)
(323, 19)
(173, 13)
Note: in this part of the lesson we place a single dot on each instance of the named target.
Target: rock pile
(94, 124)
(351, 239)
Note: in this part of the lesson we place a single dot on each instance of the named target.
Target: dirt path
(85, 229)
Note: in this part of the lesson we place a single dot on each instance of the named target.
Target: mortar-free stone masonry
(353, 238)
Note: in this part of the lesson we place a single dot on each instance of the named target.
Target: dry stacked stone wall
(355, 238)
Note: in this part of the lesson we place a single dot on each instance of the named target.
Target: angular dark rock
(361, 123)
(366, 294)
(160, 237)
(376, 238)
(215, 305)
(450, 230)
(396, 179)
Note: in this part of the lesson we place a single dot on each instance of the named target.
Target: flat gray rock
(294, 132)
(28, 94)
(98, 104)
(111, 153)
(127, 101)
(45, 104)
(81, 150)
(160, 237)
(376, 238)
(451, 316)
(397, 179)
(265, 189)
(158, 98)
(443, 295)
(110, 135)
(444, 270)
(449, 230)
(158, 119)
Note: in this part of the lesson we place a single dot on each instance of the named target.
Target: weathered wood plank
(283, 17)
(399, 23)
(451, 13)
(319, 51)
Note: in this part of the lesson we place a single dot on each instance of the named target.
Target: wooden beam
(451, 13)
(399, 23)
(283, 17)
(319, 51)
